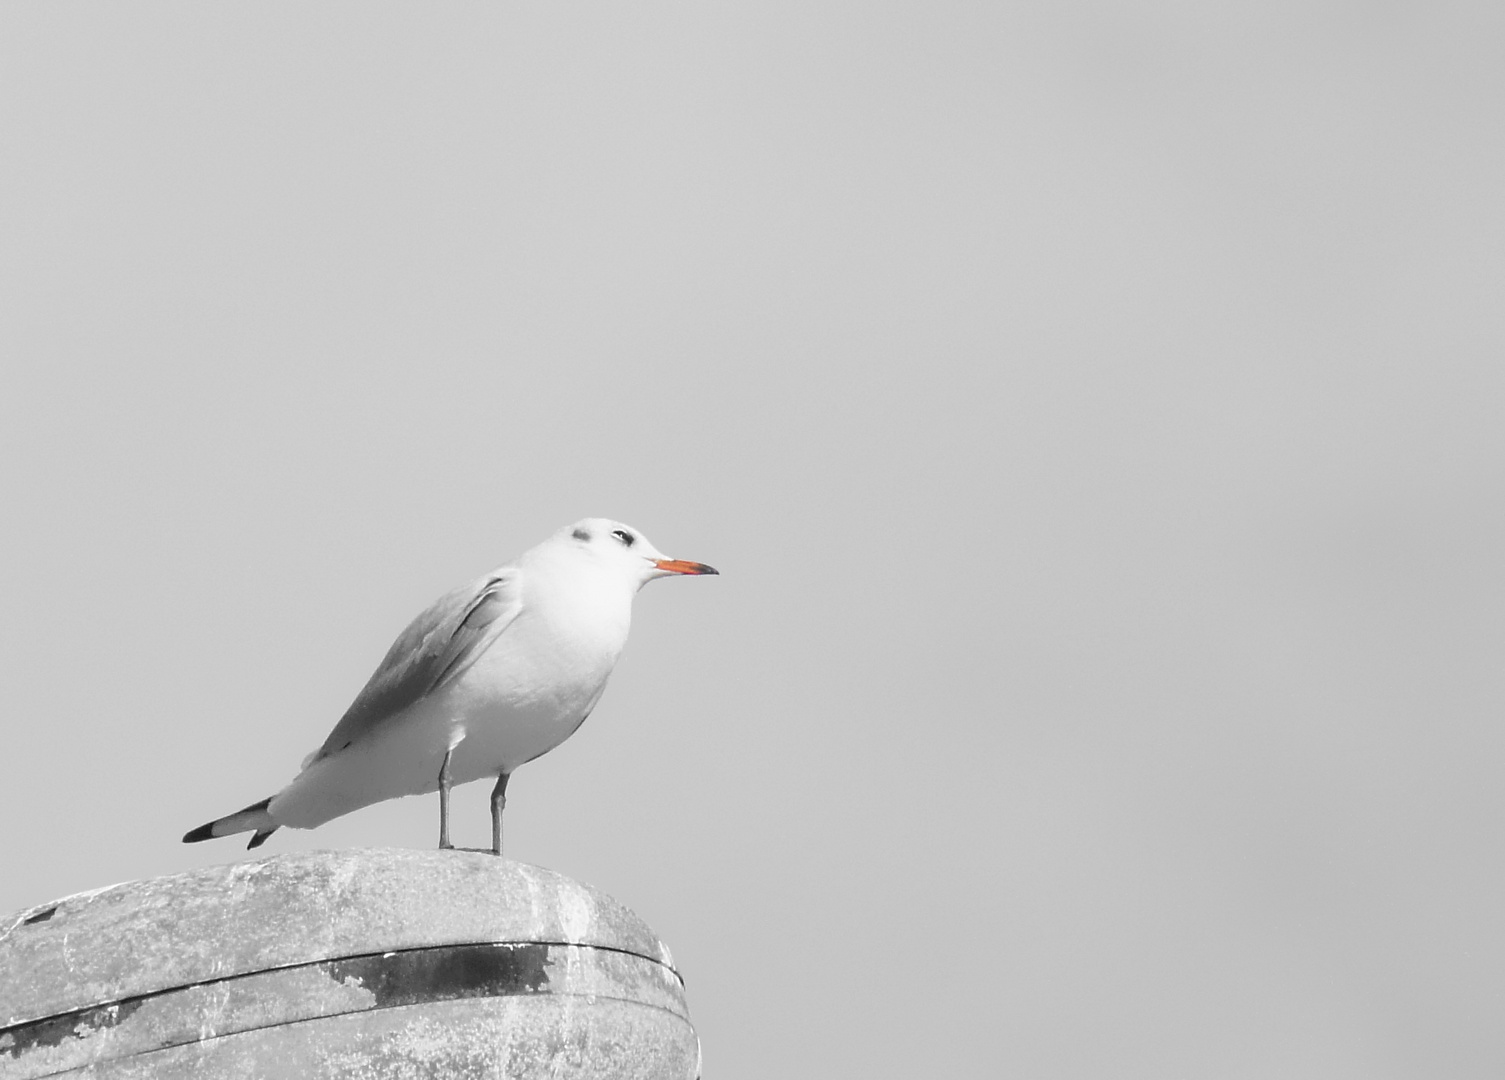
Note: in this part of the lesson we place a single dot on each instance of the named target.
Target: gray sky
(1095, 414)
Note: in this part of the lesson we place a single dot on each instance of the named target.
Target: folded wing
(436, 647)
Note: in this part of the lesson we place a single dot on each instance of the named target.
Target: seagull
(492, 675)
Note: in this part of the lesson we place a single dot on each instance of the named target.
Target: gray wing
(436, 647)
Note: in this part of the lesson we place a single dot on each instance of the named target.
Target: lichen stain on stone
(445, 973)
(85, 1024)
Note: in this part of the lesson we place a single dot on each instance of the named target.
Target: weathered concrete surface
(529, 1038)
(350, 963)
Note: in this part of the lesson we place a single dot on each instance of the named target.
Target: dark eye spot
(581, 534)
(626, 537)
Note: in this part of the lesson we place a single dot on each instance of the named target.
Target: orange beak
(683, 566)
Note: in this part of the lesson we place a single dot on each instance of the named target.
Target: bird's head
(617, 545)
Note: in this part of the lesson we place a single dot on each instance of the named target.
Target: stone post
(369, 963)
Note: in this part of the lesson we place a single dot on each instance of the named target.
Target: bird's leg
(498, 802)
(444, 844)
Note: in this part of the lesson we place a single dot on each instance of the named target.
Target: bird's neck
(586, 601)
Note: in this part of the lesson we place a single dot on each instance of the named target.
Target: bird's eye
(626, 537)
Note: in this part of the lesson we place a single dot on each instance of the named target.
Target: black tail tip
(203, 832)
(260, 838)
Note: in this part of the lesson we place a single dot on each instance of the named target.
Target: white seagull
(492, 675)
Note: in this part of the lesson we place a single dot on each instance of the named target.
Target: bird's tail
(252, 818)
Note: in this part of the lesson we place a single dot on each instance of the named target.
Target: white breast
(539, 680)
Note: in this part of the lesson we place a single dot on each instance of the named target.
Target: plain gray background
(1094, 410)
